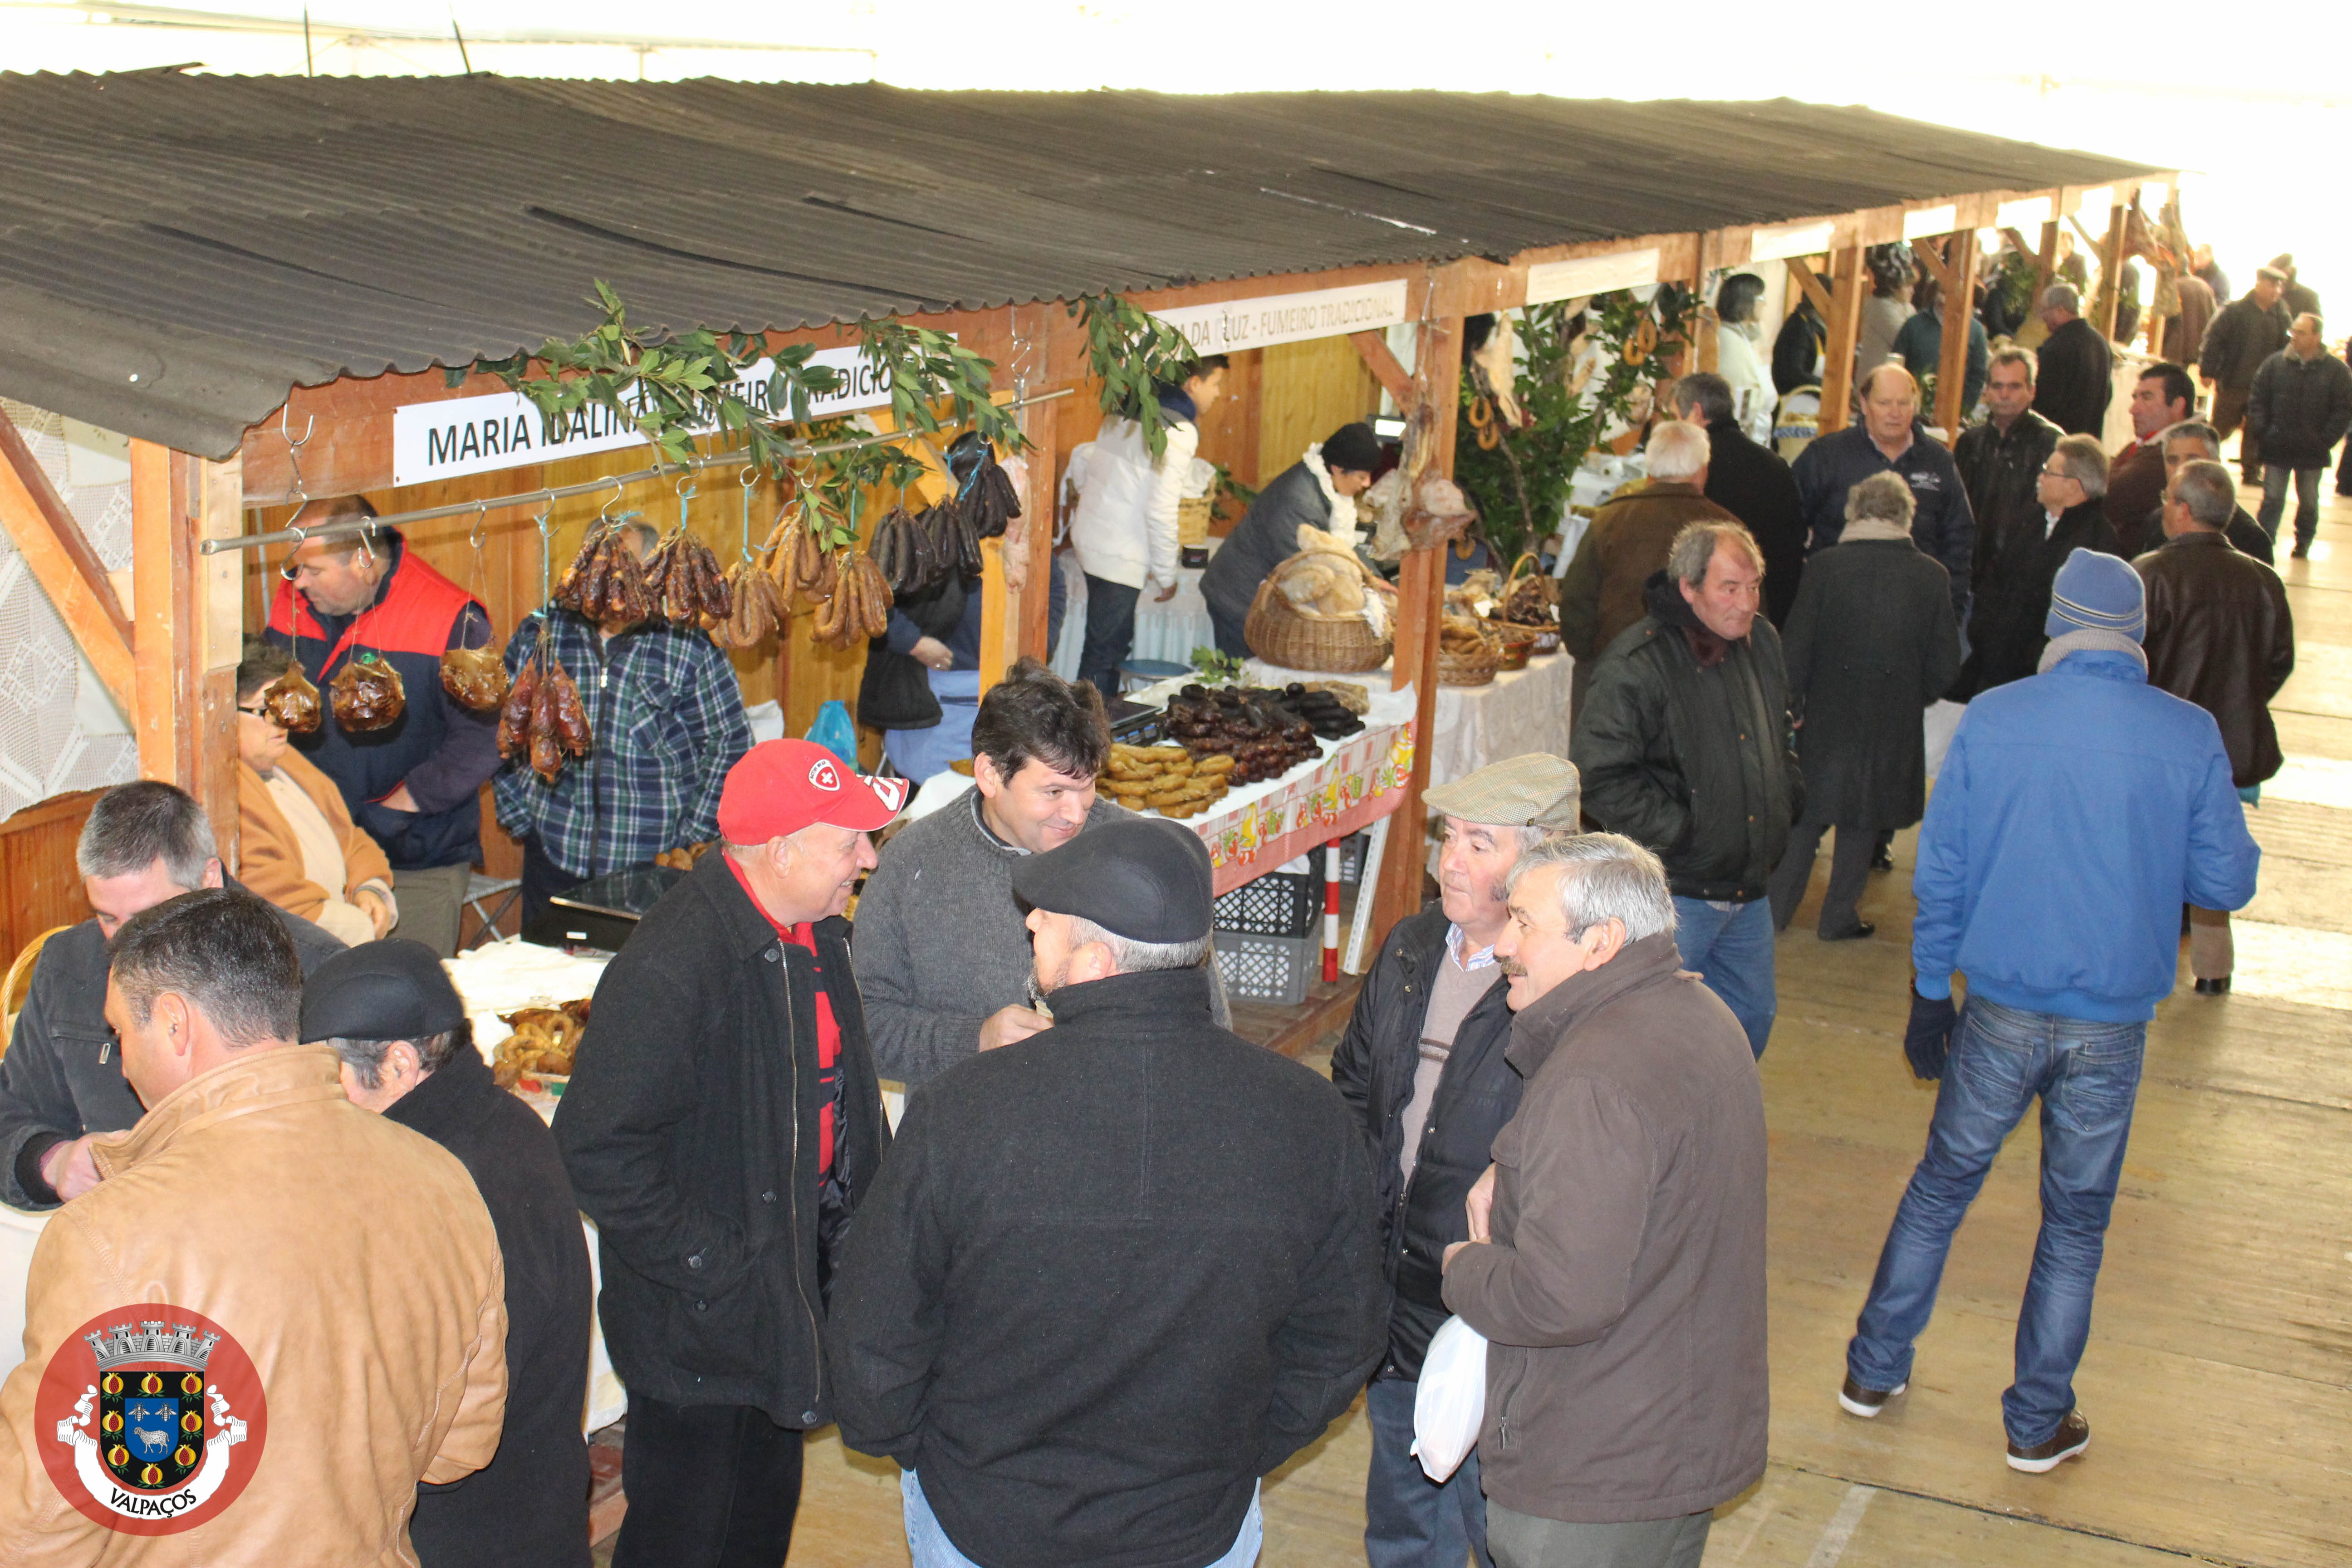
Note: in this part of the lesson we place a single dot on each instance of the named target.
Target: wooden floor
(2216, 1380)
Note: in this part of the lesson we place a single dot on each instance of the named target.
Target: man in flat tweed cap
(1421, 1064)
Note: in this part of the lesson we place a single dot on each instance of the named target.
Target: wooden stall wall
(1307, 391)
(40, 886)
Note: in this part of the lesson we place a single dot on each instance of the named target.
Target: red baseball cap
(783, 786)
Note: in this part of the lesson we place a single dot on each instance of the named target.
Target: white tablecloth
(1518, 711)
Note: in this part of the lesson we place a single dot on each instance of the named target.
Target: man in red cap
(721, 1124)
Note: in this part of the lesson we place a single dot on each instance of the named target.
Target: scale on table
(603, 911)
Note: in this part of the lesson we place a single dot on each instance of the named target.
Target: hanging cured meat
(684, 587)
(984, 493)
(367, 695)
(292, 702)
(758, 611)
(605, 583)
(543, 719)
(475, 677)
(514, 713)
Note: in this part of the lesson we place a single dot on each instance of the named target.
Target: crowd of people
(1115, 1265)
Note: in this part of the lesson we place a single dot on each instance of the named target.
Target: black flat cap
(1145, 878)
(389, 990)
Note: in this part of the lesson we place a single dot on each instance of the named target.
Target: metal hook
(294, 451)
(604, 513)
(367, 540)
(546, 547)
(286, 568)
(481, 525)
(686, 490)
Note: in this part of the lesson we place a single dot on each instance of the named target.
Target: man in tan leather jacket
(305, 1298)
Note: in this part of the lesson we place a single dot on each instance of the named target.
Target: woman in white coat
(1123, 532)
(1735, 359)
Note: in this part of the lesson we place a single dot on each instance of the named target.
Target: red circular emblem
(151, 1419)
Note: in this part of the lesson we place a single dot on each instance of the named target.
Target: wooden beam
(59, 555)
(2045, 261)
(1811, 283)
(1421, 603)
(1038, 423)
(2111, 270)
(1958, 281)
(188, 626)
(1845, 326)
(1373, 347)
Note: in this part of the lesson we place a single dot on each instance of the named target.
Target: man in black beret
(392, 1015)
(1113, 1273)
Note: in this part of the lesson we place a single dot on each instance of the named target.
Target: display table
(1518, 711)
(1255, 828)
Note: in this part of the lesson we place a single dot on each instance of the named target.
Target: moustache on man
(1512, 967)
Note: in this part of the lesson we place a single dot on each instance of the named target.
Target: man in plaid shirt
(667, 715)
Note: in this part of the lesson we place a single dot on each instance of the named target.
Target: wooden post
(1954, 272)
(2110, 269)
(62, 560)
(187, 627)
(1845, 325)
(1421, 603)
(1038, 506)
(2046, 262)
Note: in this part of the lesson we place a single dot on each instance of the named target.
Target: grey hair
(222, 951)
(135, 825)
(1609, 877)
(2206, 491)
(365, 1058)
(1677, 451)
(1694, 548)
(1891, 367)
(1705, 391)
(1132, 957)
(2318, 326)
(1880, 498)
(2191, 430)
(263, 663)
(2085, 464)
(2015, 355)
(2062, 297)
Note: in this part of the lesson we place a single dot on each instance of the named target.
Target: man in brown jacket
(2219, 634)
(1616, 1265)
(297, 845)
(1600, 593)
(237, 1283)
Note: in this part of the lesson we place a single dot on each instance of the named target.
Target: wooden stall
(791, 212)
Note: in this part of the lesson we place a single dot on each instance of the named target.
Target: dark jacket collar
(1540, 1028)
(1663, 597)
(455, 1100)
(1165, 997)
(2201, 539)
(747, 926)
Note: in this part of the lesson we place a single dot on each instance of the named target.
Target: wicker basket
(1470, 669)
(1279, 634)
(1192, 514)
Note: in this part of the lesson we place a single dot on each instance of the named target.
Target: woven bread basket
(1281, 634)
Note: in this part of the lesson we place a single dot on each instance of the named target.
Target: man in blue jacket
(2076, 812)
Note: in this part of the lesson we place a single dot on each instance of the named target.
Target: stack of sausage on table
(1166, 779)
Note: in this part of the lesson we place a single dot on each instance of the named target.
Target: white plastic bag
(1451, 1403)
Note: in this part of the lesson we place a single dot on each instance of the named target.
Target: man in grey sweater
(943, 956)
(1616, 1257)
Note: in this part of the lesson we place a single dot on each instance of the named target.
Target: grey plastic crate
(1273, 969)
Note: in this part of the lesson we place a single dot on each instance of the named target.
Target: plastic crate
(1280, 903)
(1267, 968)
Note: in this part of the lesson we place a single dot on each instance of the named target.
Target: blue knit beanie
(2097, 592)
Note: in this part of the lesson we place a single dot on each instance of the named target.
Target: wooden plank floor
(2216, 1380)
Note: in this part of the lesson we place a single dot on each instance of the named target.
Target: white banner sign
(1550, 280)
(2027, 214)
(1922, 222)
(462, 436)
(1790, 240)
(1288, 318)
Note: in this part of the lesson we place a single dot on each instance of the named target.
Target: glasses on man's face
(2053, 473)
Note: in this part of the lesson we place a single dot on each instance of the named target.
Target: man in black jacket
(2000, 460)
(1752, 483)
(723, 1123)
(2300, 406)
(1116, 1273)
(390, 1012)
(1685, 746)
(2077, 367)
(1890, 439)
(2246, 332)
(2006, 633)
(61, 1083)
(1422, 1065)
(2192, 441)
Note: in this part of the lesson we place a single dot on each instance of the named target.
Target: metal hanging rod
(550, 496)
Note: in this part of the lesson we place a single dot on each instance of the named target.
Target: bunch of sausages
(542, 716)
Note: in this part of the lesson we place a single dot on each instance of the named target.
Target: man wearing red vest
(414, 785)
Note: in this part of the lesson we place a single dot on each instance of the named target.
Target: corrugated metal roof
(176, 251)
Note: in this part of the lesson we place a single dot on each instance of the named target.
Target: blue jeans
(929, 1547)
(1409, 1520)
(2307, 500)
(1730, 946)
(2087, 1075)
(1110, 633)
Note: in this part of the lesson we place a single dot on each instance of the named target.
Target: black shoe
(2213, 988)
(2301, 550)
(1860, 930)
(1881, 860)
(2073, 1436)
(1866, 1403)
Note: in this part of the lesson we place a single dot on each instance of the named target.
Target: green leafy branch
(1133, 354)
(925, 367)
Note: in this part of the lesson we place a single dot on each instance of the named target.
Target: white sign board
(1792, 239)
(2024, 214)
(1288, 318)
(1550, 280)
(460, 435)
(1927, 221)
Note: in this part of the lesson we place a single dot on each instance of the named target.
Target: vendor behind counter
(1319, 490)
